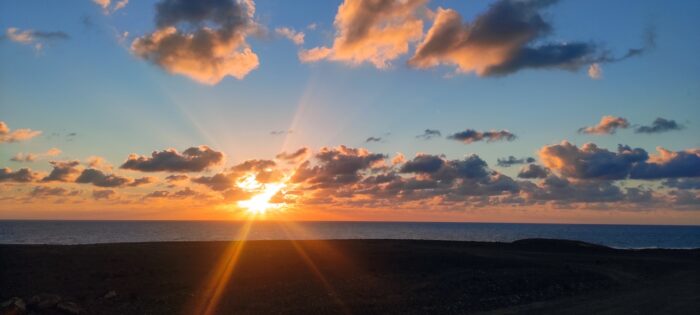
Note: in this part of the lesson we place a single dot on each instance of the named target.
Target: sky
(411, 110)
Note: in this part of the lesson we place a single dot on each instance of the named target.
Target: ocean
(91, 232)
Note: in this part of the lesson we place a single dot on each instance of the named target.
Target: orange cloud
(608, 125)
(16, 135)
(371, 31)
(204, 54)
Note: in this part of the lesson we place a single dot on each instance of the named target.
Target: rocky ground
(355, 277)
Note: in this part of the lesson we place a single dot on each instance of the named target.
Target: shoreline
(538, 276)
(651, 248)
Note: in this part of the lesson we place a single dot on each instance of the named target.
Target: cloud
(659, 125)
(43, 191)
(142, 181)
(176, 178)
(264, 171)
(296, 156)
(106, 194)
(683, 183)
(296, 37)
(503, 40)
(608, 125)
(100, 179)
(371, 31)
(31, 157)
(470, 135)
(429, 134)
(194, 159)
(511, 160)
(280, 132)
(668, 164)
(562, 190)
(32, 37)
(590, 161)
(180, 194)
(533, 171)
(337, 166)
(63, 171)
(99, 162)
(399, 158)
(203, 40)
(108, 8)
(23, 175)
(17, 135)
(352, 178)
(373, 139)
(510, 36)
(595, 71)
(423, 163)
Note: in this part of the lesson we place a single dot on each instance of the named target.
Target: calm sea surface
(88, 232)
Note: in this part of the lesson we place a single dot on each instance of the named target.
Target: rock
(13, 306)
(44, 301)
(69, 308)
(110, 294)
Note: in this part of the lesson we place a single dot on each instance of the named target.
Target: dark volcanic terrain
(353, 276)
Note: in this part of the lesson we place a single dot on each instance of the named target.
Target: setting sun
(260, 202)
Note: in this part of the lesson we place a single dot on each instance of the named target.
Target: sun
(260, 202)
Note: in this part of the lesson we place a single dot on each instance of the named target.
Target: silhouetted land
(358, 277)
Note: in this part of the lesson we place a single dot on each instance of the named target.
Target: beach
(349, 276)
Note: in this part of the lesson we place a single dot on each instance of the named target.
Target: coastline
(355, 276)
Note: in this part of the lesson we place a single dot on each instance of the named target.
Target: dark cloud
(204, 40)
(471, 135)
(176, 178)
(194, 159)
(533, 171)
(423, 163)
(63, 171)
(590, 161)
(218, 182)
(510, 36)
(373, 139)
(142, 181)
(511, 160)
(157, 194)
(100, 179)
(43, 191)
(683, 183)
(296, 156)
(560, 189)
(659, 125)
(669, 164)
(281, 132)
(180, 194)
(103, 194)
(429, 134)
(23, 175)
(685, 198)
(337, 166)
(608, 125)
(499, 42)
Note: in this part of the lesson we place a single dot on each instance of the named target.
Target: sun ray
(223, 273)
(314, 269)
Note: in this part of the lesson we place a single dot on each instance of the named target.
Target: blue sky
(117, 103)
